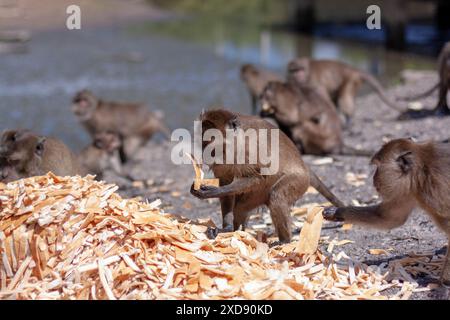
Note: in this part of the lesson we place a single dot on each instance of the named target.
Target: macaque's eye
(39, 148)
(315, 120)
(13, 138)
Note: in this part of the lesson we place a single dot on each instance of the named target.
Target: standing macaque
(256, 80)
(336, 80)
(443, 85)
(134, 122)
(32, 155)
(305, 116)
(103, 154)
(244, 187)
(408, 175)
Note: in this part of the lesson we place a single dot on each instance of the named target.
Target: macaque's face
(270, 98)
(7, 172)
(249, 72)
(84, 105)
(298, 71)
(19, 146)
(394, 165)
(220, 120)
(108, 141)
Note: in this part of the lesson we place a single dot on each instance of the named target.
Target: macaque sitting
(31, 155)
(134, 122)
(408, 175)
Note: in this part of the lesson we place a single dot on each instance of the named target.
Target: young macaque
(256, 80)
(244, 187)
(305, 116)
(33, 155)
(336, 80)
(443, 85)
(134, 122)
(408, 175)
(103, 154)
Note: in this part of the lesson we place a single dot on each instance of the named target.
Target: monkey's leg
(254, 104)
(384, 215)
(282, 196)
(227, 207)
(442, 107)
(346, 101)
(445, 276)
(246, 203)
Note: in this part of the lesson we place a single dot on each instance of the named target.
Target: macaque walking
(244, 187)
(408, 175)
(337, 80)
(30, 155)
(134, 122)
(256, 80)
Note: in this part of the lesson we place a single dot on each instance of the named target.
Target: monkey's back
(59, 159)
(331, 74)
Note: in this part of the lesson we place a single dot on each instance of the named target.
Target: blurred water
(179, 67)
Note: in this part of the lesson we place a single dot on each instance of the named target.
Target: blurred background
(181, 56)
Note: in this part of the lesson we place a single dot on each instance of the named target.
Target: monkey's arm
(238, 186)
(383, 215)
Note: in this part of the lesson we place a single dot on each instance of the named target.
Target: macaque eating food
(31, 155)
(246, 185)
(134, 122)
(305, 116)
(336, 80)
(256, 80)
(408, 175)
(443, 85)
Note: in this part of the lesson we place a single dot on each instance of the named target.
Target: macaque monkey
(134, 122)
(33, 155)
(408, 175)
(305, 116)
(102, 154)
(256, 80)
(244, 187)
(443, 85)
(336, 80)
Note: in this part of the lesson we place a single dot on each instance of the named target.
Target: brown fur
(336, 80)
(134, 122)
(34, 155)
(243, 187)
(408, 175)
(309, 119)
(256, 80)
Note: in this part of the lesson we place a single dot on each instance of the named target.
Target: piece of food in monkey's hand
(310, 234)
(198, 180)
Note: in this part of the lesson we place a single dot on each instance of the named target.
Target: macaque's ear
(40, 146)
(234, 123)
(405, 162)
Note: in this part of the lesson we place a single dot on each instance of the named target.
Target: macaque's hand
(332, 214)
(204, 192)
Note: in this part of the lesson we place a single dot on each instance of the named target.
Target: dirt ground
(373, 125)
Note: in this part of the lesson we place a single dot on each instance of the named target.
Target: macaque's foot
(204, 192)
(332, 214)
(440, 293)
(212, 233)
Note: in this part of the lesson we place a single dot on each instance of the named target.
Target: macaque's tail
(422, 95)
(350, 151)
(375, 84)
(317, 184)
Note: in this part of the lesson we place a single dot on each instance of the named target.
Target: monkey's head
(21, 146)
(84, 104)
(107, 140)
(219, 119)
(298, 71)
(396, 164)
(275, 97)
